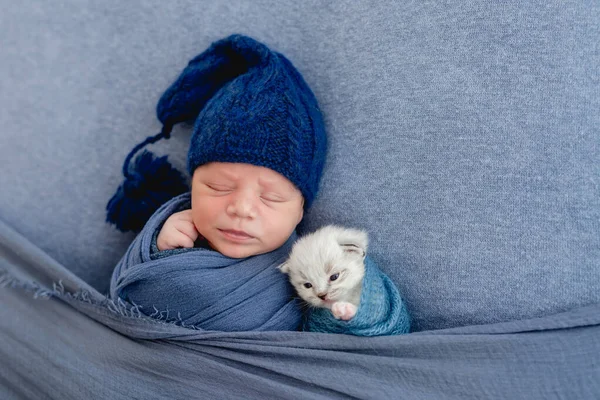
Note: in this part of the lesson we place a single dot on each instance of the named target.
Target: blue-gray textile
(73, 343)
(203, 289)
(381, 311)
(464, 136)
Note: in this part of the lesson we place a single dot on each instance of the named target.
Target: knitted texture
(381, 310)
(149, 182)
(251, 106)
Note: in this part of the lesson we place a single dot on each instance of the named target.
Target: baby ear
(354, 241)
(285, 267)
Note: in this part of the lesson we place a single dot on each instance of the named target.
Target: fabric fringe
(117, 307)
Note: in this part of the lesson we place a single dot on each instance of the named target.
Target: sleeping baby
(208, 259)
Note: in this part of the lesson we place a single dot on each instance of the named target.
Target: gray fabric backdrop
(465, 137)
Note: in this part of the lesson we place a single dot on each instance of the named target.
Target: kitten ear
(354, 241)
(285, 267)
(353, 249)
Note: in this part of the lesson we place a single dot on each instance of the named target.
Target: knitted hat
(251, 106)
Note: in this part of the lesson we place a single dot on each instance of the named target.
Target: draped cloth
(63, 339)
(203, 289)
(381, 310)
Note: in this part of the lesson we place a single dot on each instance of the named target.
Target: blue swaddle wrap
(381, 310)
(202, 288)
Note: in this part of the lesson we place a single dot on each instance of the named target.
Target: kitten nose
(322, 295)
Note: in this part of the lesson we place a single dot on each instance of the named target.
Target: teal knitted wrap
(381, 310)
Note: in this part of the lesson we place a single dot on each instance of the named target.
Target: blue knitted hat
(250, 105)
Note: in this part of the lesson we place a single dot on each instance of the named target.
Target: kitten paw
(343, 310)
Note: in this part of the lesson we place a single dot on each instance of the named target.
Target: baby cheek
(210, 208)
(281, 224)
(274, 236)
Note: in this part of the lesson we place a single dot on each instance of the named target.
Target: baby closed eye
(219, 188)
(273, 198)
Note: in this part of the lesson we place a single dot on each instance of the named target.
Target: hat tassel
(150, 182)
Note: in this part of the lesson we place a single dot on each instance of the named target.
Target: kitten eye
(334, 277)
(308, 285)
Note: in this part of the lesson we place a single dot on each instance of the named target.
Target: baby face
(244, 210)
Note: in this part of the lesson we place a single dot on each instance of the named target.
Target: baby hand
(177, 231)
(343, 310)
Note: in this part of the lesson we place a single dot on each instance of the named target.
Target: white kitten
(327, 268)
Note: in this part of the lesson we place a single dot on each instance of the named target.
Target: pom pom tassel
(149, 183)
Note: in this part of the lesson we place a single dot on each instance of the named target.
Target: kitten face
(327, 266)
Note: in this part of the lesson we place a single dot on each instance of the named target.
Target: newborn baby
(327, 267)
(208, 258)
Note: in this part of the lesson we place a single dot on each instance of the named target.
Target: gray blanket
(62, 339)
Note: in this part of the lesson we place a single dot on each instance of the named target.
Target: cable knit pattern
(381, 310)
(251, 106)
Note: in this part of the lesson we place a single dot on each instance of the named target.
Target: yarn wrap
(381, 310)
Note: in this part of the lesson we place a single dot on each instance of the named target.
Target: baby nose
(241, 206)
(322, 296)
